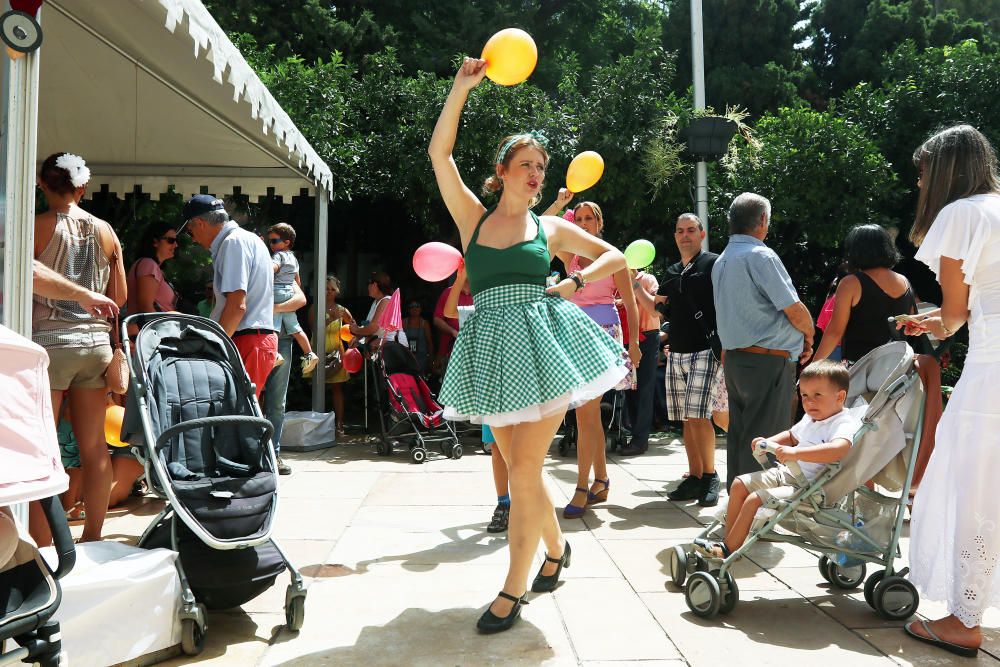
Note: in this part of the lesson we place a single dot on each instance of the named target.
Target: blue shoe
(572, 511)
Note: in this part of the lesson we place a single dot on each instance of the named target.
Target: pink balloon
(436, 261)
(353, 361)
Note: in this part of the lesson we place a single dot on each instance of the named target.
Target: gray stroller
(837, 515)
(194, 422)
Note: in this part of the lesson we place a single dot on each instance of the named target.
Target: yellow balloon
(584, 171)
(511, 56)
(345, 333)
(113, 417)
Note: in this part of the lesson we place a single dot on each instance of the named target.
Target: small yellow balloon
(511, 56)
(113, 417)
(584, 171)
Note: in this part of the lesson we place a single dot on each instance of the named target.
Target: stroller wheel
(824, 569)
(192, 637)
(703, 595)
(295, 613)
(384, 448)
(730, 595)
(896, 598)
(456, 452)
(870, 585)
(678, 562)
(847, 578)
(418, 455)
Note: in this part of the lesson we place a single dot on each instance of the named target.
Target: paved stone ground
(400, 567)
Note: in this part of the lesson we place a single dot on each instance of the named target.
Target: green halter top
(526, 262)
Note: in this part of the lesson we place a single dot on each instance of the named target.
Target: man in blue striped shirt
(764, 329)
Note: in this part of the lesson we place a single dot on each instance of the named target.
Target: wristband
(575, 277)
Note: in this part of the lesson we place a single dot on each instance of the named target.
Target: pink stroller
(30, 470)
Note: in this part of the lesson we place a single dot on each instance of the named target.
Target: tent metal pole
(21, 147)
(319, 299)
(698, 76)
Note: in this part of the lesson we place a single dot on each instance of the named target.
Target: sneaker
(278, 360)
(284, 468)
(709, 490)
(309, 362)
(688, 489)
(500, 517)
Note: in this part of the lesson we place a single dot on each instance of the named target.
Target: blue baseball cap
(199, 205)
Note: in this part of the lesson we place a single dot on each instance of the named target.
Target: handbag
(711, 335)
(116, 376)
(334, 362)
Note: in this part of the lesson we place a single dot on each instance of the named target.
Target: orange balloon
(584, 171)
(113, 417)
(511, 56)
(345, 333)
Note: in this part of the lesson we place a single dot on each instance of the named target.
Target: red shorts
(258, 352)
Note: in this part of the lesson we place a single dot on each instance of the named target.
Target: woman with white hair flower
(86, 251)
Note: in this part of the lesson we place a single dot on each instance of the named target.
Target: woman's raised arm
(462, 203)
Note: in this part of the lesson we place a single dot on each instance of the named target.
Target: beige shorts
(78, 367)
(777, 483)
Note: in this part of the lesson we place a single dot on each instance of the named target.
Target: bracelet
(576, 278)
(948, 333)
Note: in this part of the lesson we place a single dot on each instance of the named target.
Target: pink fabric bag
(30, 465)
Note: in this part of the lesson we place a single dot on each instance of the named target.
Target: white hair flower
(79, 174)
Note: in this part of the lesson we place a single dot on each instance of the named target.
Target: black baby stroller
(30, 470)
(406, 407)
(194, 421)
(613, 411)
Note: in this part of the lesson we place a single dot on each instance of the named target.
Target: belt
(251, 332)
(754, 349)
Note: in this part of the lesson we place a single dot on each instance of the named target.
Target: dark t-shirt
(688, 290)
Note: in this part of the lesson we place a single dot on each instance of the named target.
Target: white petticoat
(955, 541)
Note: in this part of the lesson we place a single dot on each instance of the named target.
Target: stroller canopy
(30, 466)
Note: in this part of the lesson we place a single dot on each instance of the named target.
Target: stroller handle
(203, 422)
(762, 449)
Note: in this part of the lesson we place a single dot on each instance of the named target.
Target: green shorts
(78, 367)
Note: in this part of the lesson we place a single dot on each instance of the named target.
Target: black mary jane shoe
(547, 584)
(490, 622)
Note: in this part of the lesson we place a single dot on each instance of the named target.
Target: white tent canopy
(153, 93)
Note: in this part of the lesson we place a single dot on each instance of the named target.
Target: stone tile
(907, 651)
(359, 548)
(634, 663)
(308, 557)
(590, 559)
(320, 484)
(314, 518)
(610, 523)
(422, 518)
(765, 628)
(433, 489)
(608, 621)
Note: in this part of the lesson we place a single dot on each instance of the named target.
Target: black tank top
(868, 326)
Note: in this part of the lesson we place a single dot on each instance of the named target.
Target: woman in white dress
(955, 541)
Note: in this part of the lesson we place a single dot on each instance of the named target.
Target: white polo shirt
(241, 261)
(844, 424)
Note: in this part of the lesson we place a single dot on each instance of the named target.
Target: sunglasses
(275, 241)
(172, 240)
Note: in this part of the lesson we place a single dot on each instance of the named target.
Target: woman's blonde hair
(334, 282)
(505, 155)
(597, 213)
(955, 163)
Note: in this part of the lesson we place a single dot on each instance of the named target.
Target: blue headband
(533, 134)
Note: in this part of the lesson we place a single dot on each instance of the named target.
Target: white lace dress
(955, 533)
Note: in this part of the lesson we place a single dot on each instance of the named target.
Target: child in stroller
(823, 435)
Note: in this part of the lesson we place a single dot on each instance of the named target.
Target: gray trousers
(760, 405)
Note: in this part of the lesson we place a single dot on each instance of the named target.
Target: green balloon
(639, 254)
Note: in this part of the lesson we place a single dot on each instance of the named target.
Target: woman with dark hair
(955, 526)
(526, 353)
(379, 289)
(85, 250)
(148, 289)
(867, 297)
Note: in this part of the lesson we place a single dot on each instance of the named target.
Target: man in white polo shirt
(243, 283)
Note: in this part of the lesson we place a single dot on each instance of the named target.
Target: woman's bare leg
(338, 404)
(500, 474)
(88, 407)
(532, 516)
(589, 448)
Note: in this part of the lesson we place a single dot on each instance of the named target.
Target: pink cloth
(445, 341)
(392, 318)
(825, 315)
(30, 466)
(165, 298)
(594, 293)
(648, 282)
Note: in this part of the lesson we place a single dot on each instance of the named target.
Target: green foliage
(823, 175)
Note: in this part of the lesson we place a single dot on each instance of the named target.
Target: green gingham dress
(524, 355)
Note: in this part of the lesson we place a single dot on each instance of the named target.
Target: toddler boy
(281, 238)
